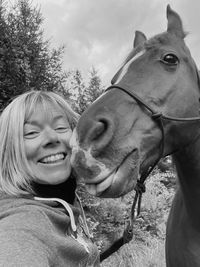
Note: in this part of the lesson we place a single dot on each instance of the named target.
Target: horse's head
(117, 139)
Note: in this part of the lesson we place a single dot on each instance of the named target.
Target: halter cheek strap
(140, 187)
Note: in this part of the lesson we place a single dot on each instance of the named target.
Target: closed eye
(31, 134)
(62, 129)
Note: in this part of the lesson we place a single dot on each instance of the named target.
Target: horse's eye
(170, 59)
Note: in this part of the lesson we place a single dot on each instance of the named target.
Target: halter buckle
(156, 116)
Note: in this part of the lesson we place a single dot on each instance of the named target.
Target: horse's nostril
(100, 133)
(100, 128)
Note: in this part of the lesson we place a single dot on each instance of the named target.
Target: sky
(100, 33)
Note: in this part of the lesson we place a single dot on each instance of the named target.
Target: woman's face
(46, 139)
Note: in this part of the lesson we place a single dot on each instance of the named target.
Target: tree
(82, 93)
(77, 91)
(26, 60)
(95, 89)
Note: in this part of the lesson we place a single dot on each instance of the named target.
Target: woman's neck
(65, 191)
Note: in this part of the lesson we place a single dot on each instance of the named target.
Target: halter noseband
(140, 186)
(155, 114)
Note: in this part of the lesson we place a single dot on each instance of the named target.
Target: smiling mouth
(53, 158)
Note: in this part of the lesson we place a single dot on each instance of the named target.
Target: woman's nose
(50, 136)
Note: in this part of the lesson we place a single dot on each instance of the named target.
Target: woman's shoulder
(29, 223)
(32, 222)
(27, 213)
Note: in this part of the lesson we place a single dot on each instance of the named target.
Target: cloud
(100, 33)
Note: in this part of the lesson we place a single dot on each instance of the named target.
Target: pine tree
(94, 89)
(82, 93)
(27, 62)
(77, 91)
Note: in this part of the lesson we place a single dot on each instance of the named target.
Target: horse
(151, 110)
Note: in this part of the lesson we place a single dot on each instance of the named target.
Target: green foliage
(107, 219)
(139, 254)
(77, 90)
(83, 93)
(94, 89)
(27, 61)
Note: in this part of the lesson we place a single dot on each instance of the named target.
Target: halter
(158, 117)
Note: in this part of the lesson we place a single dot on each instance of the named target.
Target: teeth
(53, 158)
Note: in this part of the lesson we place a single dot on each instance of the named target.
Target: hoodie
(44, 232)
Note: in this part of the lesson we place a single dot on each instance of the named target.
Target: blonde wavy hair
(15, 174)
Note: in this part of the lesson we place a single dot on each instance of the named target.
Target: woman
(39, 225)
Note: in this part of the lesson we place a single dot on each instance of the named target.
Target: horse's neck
(187, 162)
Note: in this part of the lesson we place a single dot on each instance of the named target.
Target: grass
(138, 254)
(106, 219)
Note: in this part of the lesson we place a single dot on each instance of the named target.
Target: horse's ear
(174, 23)
(139, 39)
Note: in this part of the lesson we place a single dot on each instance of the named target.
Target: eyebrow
(35, 122)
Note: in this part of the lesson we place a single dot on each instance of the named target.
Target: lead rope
(136, 207)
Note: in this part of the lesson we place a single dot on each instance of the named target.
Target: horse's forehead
(156, 46)
(120, 74)
(166, 41)
(160, 42)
